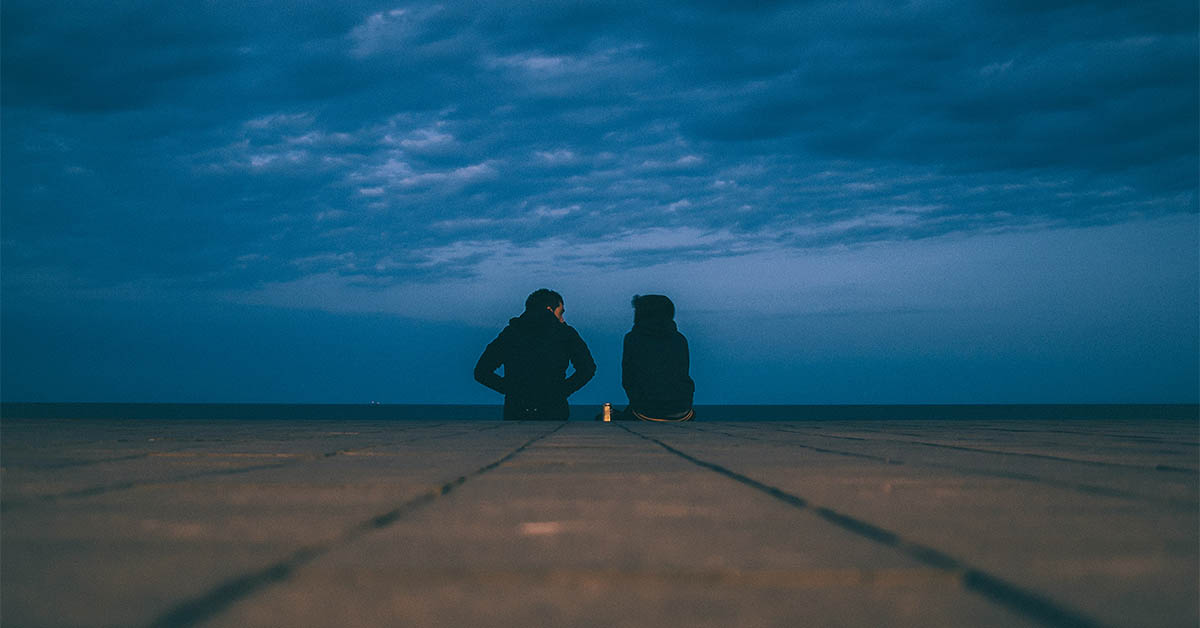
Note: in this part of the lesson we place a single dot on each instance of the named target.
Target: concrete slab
(363, 523)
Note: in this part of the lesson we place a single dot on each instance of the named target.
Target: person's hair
(652, 306)
(543, 298)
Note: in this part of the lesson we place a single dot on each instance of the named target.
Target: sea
(587, 412)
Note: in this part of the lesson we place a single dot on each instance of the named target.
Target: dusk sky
(849, 202)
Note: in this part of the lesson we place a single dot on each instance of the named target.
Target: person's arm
(687, 357)
(628, 379)
(581, 359)
(687, 366)
(485, 368)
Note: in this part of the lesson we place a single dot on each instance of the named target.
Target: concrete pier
(474, 523)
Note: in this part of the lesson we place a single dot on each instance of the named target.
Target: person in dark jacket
(535, 350)
(654, 364)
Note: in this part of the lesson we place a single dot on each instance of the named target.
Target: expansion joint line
(1079, 487)
(92, 491)
(1024, 454)
(1011, 596)
(218, 599)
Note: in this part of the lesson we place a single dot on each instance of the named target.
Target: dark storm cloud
(229, 145)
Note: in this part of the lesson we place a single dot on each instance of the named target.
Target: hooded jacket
(654, 368)
(535, 350)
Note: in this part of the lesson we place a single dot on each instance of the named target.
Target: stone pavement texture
(371, 523)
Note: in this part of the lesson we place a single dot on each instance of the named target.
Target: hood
(655, 327)
(534, 319)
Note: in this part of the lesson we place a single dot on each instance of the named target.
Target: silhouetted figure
(654, 364)
(534, 350)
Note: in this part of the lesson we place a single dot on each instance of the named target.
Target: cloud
(556, 157)
(392, 171)
(457, 176)
(426, 139)
(381, 31)
(997, 174)
(1015, 291)
(555, 212)
(278, 121)
(395, 31)
(237, 133)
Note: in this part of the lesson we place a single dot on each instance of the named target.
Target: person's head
(649, 307)
(547, 299)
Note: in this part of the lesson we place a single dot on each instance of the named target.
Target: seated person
(654, 364)
(535, 350)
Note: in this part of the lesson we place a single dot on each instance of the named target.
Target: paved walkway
(313, 523)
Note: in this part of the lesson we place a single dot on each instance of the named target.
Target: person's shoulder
(509, 330)
(570, 332)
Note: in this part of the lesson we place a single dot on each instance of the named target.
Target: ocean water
(586, 412)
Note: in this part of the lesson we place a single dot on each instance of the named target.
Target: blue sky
(850, 202)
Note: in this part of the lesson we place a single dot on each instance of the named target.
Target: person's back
(655, 362)
(535, 351)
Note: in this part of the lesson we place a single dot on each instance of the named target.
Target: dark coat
(654, 368)
(535, 349)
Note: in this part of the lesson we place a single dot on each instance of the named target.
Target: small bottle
(607, 412)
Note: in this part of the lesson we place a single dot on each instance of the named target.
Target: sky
(849, 202)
